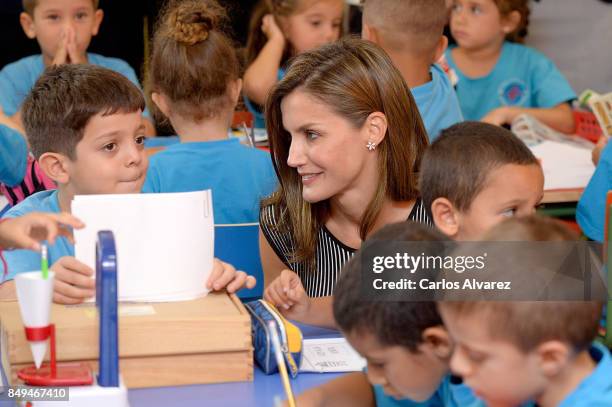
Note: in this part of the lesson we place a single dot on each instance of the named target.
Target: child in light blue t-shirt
(279, 30)
(63, 33)
(411, 32)
(540, 351)
(499, 79)
(405, 344)
(591, 209)
(13, 155)
(196, 85)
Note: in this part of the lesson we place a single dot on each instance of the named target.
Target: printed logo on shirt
(513, 92)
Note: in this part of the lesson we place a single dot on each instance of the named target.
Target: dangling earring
(371, 145)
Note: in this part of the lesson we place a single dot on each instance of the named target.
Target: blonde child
(279, 30)
(194, 79)
(85, 128)
(499, 78)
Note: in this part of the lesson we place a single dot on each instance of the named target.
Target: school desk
(260, 392)
(560, 203)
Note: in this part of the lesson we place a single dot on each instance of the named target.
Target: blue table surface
(260, 392)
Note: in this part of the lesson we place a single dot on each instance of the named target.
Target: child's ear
(511, 21)
(98, 17)
(369, 33)
(440, 48)
(161, 102)
(375, 128)
(437, 339)
(445, 216)
(553, 356)
(27, 24)
(55, 166)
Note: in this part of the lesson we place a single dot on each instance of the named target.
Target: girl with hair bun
(194, 82)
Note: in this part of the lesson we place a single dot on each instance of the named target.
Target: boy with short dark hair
(476, 175)
(85, 128)
(511, 353)
(405, 344)
(411, 32)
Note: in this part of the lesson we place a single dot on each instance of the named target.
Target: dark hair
(193, 61)
(415, 25)
(527, 324)
(391, 322)
(506, 7)
(354, 78)
(66, 97)
(456, 165)
(30, 5)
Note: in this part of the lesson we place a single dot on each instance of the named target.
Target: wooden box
(207, 340)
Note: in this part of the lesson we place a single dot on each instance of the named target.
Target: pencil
(280, 361)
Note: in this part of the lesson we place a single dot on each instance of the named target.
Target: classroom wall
(577, 35)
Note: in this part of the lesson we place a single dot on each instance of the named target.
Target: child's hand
(26, 231)
(271, 29)
(500, 116)
(224, 275)
(596, 153)
(67, 53)
(74, 57)
(73, 281)
(287, 293)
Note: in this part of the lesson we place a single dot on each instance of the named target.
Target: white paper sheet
(164, 242)
(566, 159)
(327, 355)
(565, 166)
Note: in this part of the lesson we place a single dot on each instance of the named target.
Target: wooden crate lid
(215, 323)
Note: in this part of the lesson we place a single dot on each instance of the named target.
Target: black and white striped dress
(331, 254)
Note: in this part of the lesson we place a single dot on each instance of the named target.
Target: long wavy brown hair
(354, 78)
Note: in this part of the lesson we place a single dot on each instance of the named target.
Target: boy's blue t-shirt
(521, 77)
(451, 393)
(596, 389)
(238, 176)
(591, 209)
(437, 103)
(17, 78)
(13, 156)
(20, 261)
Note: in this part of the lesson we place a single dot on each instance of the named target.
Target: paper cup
(35, 295)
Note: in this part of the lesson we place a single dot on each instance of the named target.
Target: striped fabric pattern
(331, 254)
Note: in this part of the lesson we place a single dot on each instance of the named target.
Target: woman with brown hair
(346, 140)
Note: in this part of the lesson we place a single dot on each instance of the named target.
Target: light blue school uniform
(591, 209)
(596, 389)
(259, 118)
(451, 393)
(20, 261)
(437, 103)
(13, 156)
(238, 176)
(163, 141)
(521, 77)
(17, 78)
